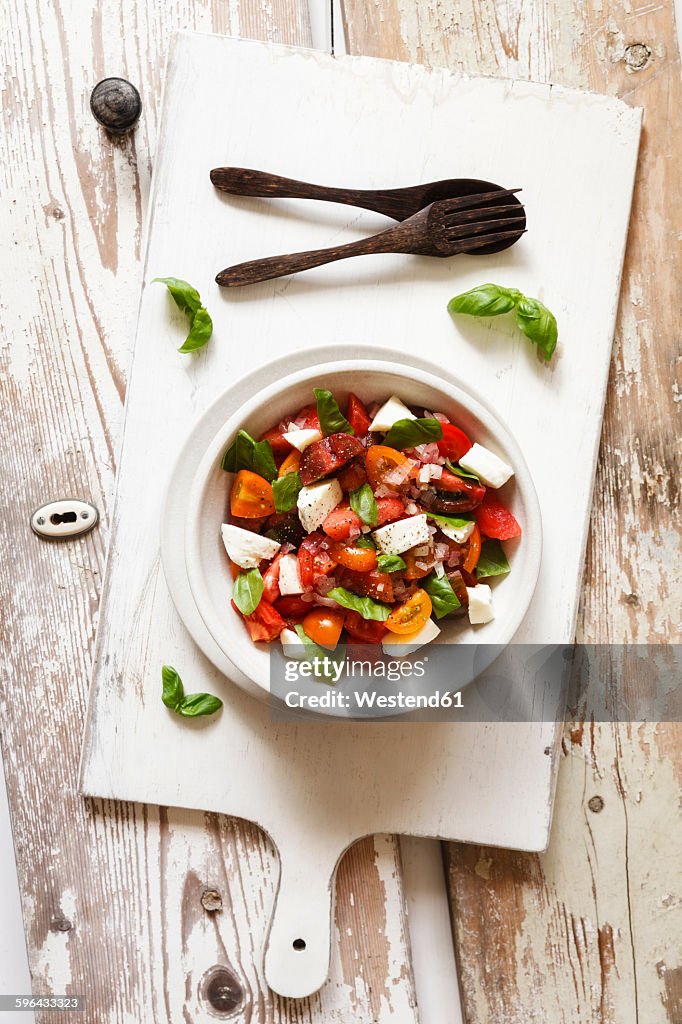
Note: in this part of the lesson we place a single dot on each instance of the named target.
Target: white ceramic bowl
(374, 381)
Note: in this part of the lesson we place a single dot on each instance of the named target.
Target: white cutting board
(367, 123)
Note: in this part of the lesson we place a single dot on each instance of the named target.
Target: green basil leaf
(248, 590)
(196, 704)
(485, 300)
(458, 471)
(410, 433)
(173, 690)
(443, 597)
(285, 491)
(492, 560)
(456, 522)
(365, 542)
(365, 606)
(245, 453)
(538, 324)
(364, 504)
(332, 420)
(173, 696)
(317, 657)
(186, 297)
(390, 563)
(200, 330)
(313, 649)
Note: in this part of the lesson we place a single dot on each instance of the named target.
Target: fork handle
(279, 266)
(242, 181)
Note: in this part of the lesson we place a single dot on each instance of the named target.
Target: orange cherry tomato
(234, 569)
(323, 626)
(473, 550)
(412, 615)
(350, 557)
(251, 496)
(412, 571)
(381, 461)
(291, 463)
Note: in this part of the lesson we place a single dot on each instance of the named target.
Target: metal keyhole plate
(67, 517)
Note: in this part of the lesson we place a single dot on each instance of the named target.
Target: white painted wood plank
(124, 745)
(15, 978)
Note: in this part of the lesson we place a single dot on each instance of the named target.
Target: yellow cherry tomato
(290, 464)
(251, 496)
(412, 615)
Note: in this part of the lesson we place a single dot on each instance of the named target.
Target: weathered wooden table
(590, 931)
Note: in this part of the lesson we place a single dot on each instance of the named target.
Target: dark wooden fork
(471, 224)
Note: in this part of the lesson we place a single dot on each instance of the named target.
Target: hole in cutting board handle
(298, 945)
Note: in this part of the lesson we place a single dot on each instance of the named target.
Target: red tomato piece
(308, 417)
(352, 477)
(357, 415)
(327, 456)
(364, 631)
(494, 520)
(375, 584)
(453, 494)
(271, 580)
(389, 509)
(314, 558)
(454, 443)
(292, 608)
(340, 522)
(278, 443)
(264, 624)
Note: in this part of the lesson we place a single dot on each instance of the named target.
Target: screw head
(116, 105)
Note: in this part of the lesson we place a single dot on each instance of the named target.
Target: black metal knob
(116, 105)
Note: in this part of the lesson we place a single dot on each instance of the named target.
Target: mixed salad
(374, 524)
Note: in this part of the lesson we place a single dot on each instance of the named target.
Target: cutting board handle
(298, 946)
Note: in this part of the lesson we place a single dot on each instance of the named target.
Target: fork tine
(460, 216)
(479, 199)
(482, 227)
(469, 245)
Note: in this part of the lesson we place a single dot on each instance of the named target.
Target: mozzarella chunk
(488, 467)
(398, 537)
(245, 548)
(400, 644)
(289, 576)
(459, 534)
(292, 644)
(316, 501)
(480, 604)
(390, 412)
(300, 439)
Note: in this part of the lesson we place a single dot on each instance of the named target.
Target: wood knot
(632, 599)
(596, 804)
(211, 900)
(221, 989)
(637, 56)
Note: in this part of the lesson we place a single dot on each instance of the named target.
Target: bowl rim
(457, 391)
